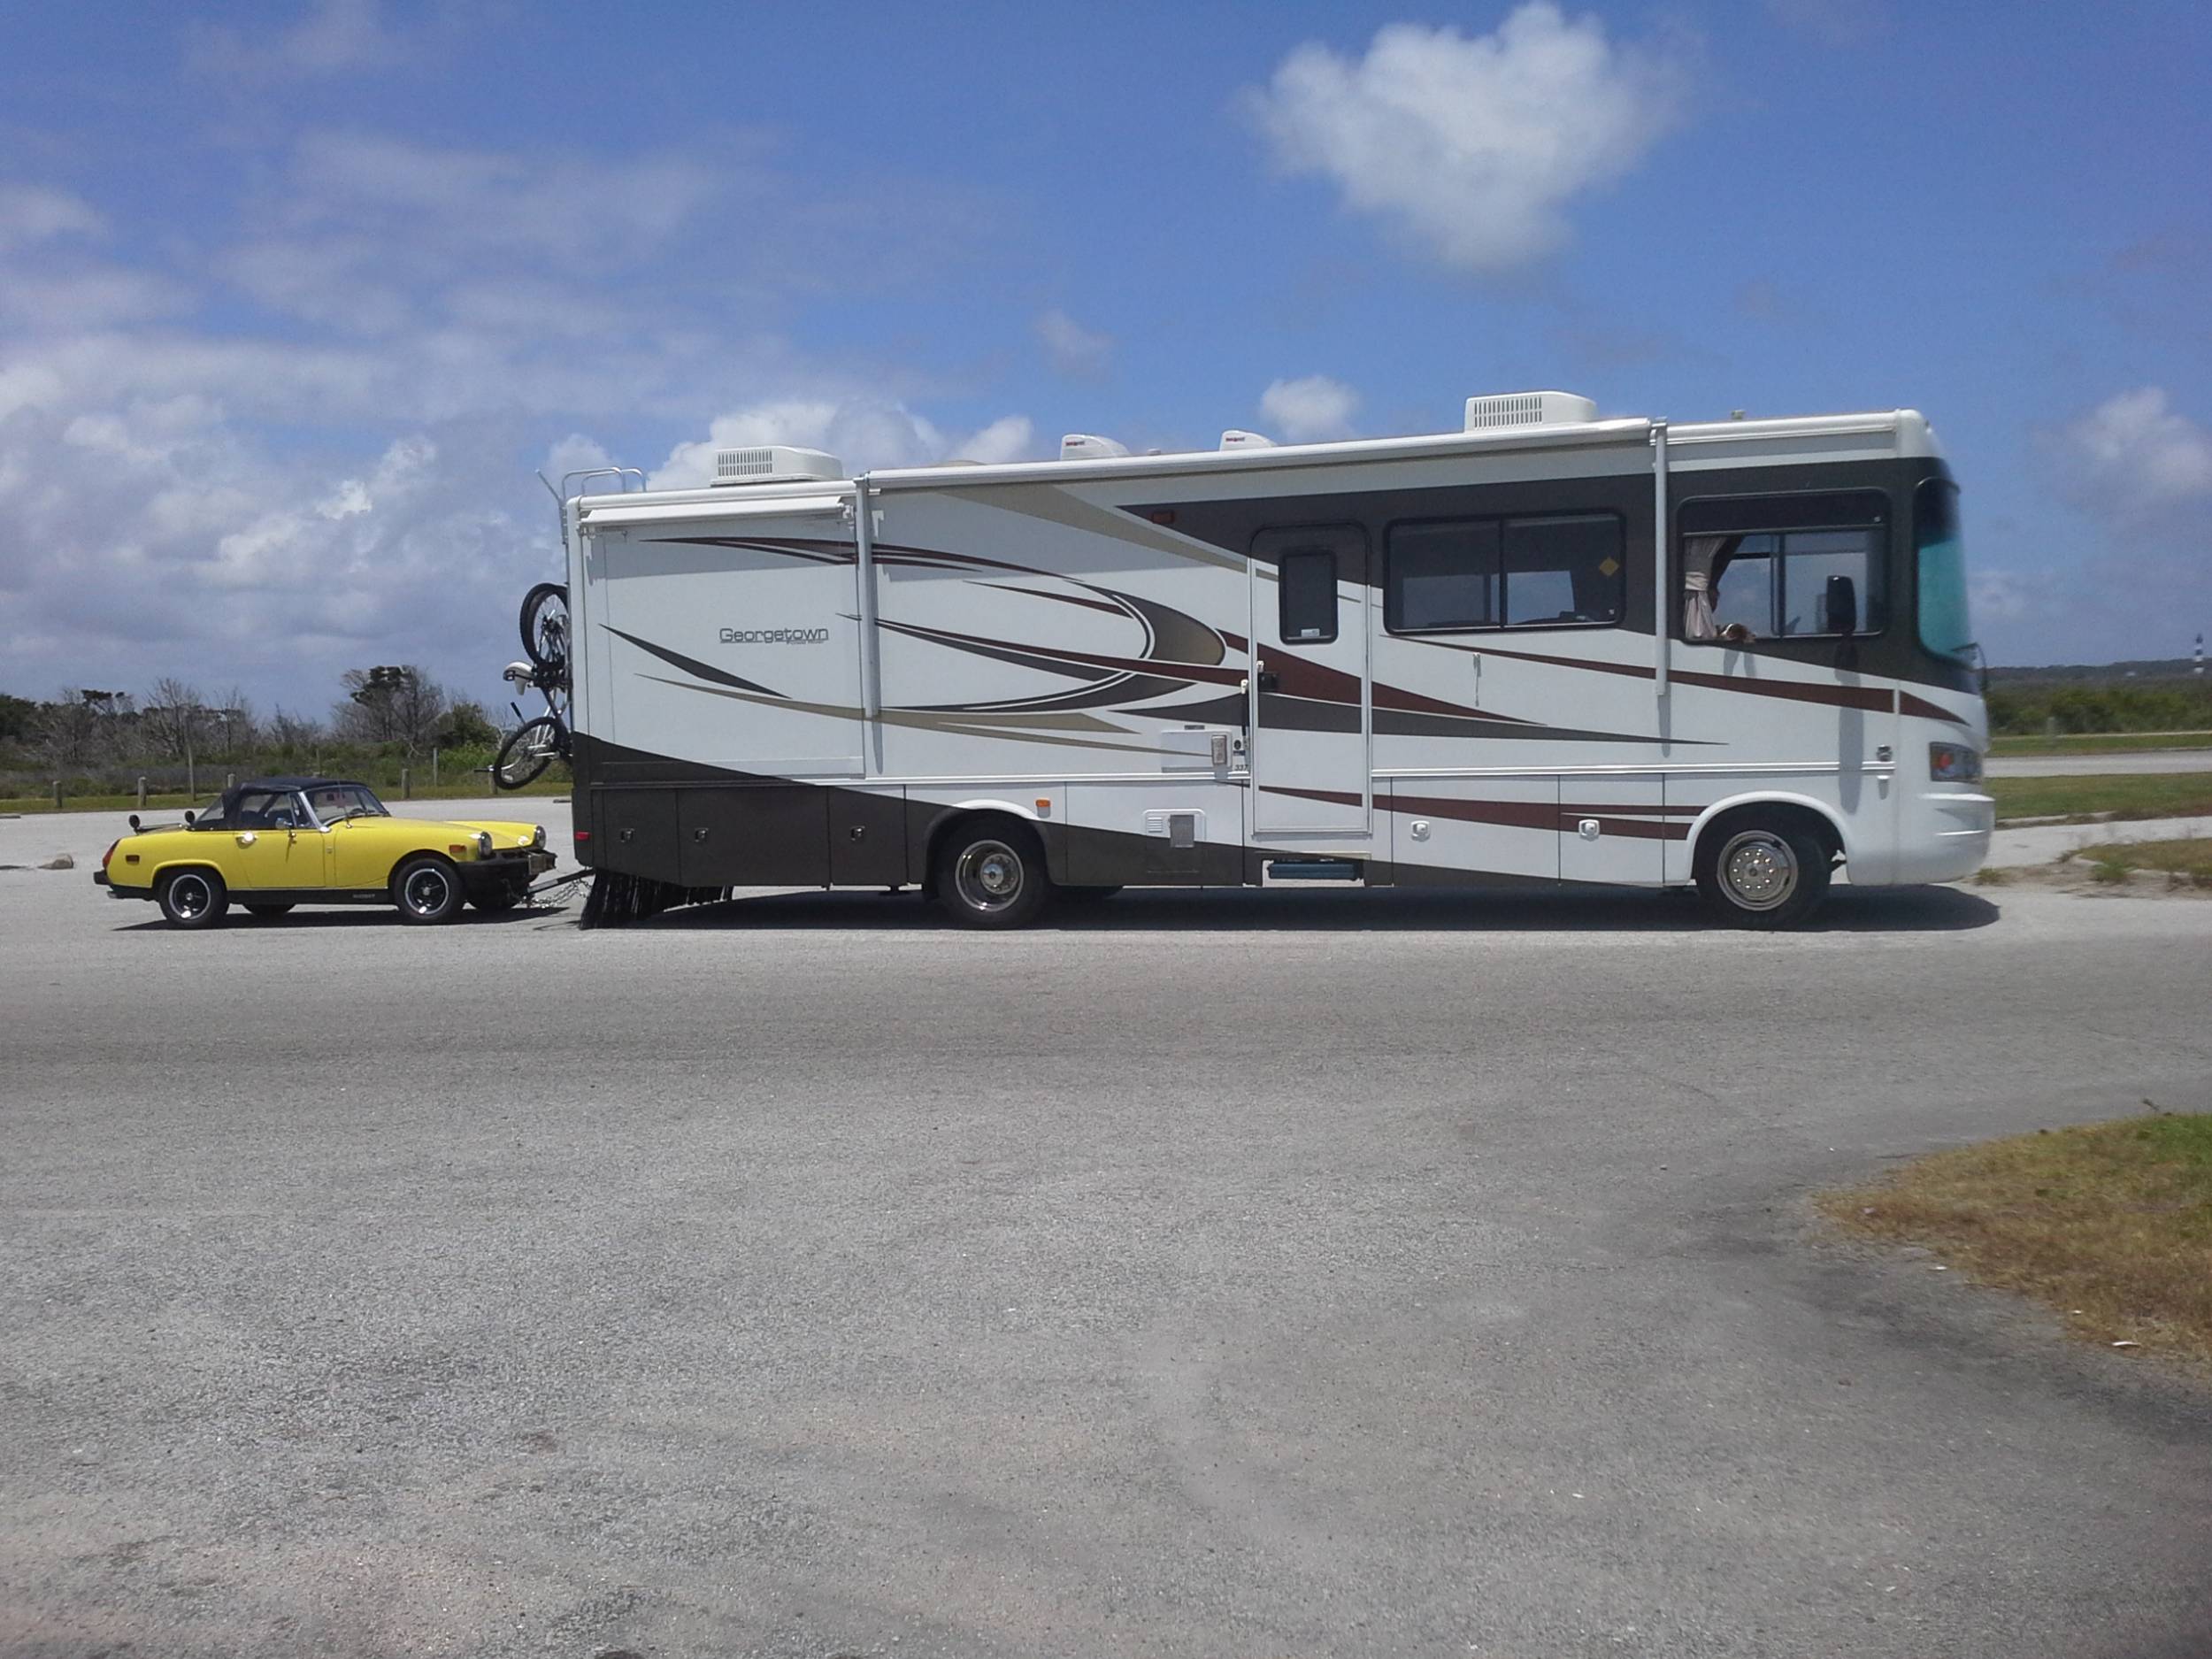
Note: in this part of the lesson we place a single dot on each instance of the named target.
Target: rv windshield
(1944, 626)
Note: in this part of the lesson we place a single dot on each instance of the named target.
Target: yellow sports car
(276, 842)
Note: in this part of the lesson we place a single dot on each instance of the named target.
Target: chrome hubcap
(187, 896)
(989, 876)
(426, 891)
(1758, 871)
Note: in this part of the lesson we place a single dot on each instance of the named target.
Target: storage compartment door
(1613, 829)
(757, 836)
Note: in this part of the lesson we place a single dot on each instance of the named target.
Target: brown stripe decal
(1536, 814)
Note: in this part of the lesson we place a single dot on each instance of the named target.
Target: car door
(272, 845)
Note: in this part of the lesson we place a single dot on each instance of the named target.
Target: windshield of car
(335, 803)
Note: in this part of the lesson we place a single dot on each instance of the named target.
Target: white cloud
(1472, 148)
(1072, 350)
(33, 212)
(864, 433)
(1312, 409)
(2132, 455)
(332, 37)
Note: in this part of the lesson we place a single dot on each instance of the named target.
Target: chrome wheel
(189, 896)
(990, 876)
(1757, 870)
(427, 891)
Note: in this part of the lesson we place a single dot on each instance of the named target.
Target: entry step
(1313, 870)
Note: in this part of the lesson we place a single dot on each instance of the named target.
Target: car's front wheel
(193, 898)
(426, 890)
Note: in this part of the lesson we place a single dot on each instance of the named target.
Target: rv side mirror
(1839, 606)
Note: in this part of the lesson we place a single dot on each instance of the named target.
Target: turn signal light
(1954, 763)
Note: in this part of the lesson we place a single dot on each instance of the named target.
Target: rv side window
(1441, 576)
(1305, 589)
(1783, 567)
(1564, 571)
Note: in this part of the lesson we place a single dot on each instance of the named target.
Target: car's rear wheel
(426, 890)
(254, 909)
(193, 898)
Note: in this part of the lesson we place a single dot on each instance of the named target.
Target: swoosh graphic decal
(692, 665)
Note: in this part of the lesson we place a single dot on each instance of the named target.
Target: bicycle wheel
(545, 631)
(529, 749)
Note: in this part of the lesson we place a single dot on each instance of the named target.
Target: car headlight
(483, 843)
(1954, 763)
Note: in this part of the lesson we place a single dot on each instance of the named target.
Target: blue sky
(293, 298)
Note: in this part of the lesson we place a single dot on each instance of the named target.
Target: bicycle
(538, 742)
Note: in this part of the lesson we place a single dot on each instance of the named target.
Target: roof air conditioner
(1237, 438)
(1528, 409)
(775, 464)
(1082, 446)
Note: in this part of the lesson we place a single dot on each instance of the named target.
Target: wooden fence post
(406, 785)
(141, 794)
(57, 795)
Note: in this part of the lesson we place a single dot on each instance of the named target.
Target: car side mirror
(1839, 606)
(134, 822)
(188, 820)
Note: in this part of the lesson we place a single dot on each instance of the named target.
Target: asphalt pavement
(2164, 760)
(1260, 1273)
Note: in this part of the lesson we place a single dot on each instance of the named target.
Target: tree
(173, 719)
(466, 726)
(295, 733)
(19, 718)
(390, 705)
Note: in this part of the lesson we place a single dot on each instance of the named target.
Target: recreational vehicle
(1545, 649)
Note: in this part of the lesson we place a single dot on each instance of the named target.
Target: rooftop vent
(1082, 446)
(775, 464)
(1528, 409)
(1237, 438)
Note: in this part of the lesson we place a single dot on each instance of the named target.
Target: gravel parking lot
(1262, 1273)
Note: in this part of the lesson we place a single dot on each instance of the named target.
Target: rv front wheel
(1764, 873)
(993, 876)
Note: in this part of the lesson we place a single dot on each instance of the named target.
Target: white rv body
(808, 682)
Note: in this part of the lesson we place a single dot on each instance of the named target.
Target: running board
(1313, 870)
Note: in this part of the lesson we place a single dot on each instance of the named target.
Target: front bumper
(497, 874)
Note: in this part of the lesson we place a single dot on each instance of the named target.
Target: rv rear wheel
(992, 875)
(1762, 872)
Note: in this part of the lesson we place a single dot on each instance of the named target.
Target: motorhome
(1547, 648)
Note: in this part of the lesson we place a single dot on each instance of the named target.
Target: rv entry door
(1310, 694)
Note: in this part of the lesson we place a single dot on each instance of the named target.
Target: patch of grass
(1992, 876)
(2190, 857)
(2107, 869)
(2111, 1223)
(2100, 743)
(2122, 796)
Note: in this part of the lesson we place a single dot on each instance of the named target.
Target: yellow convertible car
(276, 842)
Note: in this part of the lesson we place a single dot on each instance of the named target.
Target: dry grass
(2111, 1223)
(2190, 856)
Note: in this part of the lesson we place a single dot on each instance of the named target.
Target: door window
(1306, 593)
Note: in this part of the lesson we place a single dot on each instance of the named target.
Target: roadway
(2164, 760)
(1266, 1273)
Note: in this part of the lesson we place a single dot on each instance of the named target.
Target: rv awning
(782, 507)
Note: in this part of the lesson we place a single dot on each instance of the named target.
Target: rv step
(1313, 870)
